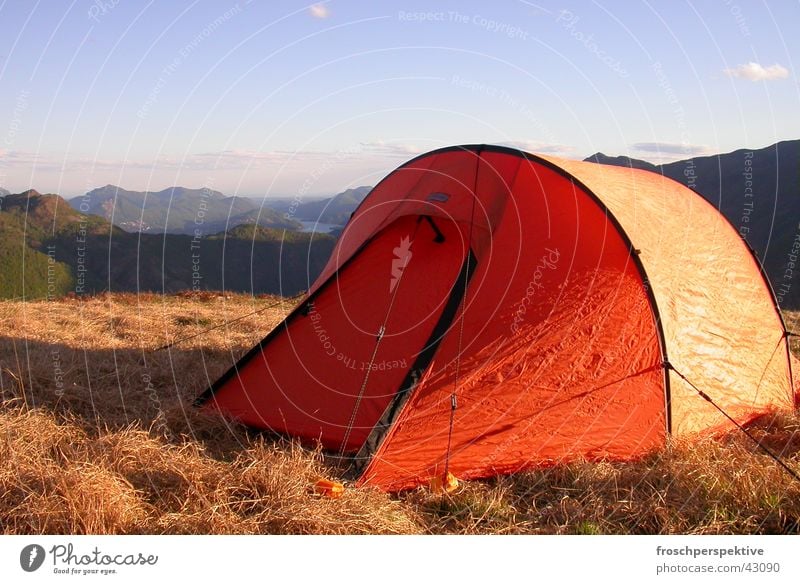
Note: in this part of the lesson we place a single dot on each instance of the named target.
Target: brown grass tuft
(97, 435)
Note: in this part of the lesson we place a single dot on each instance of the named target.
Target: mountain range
(177, 210)
(335, 210)
(206, 211)
(48, 249)
(152, 239)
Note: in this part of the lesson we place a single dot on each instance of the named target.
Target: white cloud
(10, 158)
(671, 148)
(319, 11)
(389, 148)
(237, 157)
(756, 72)
(233, 159)
(663, 152)
(533, 146)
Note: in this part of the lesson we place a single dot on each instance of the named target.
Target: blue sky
(291, 98)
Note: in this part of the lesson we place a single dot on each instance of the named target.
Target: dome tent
(487, 310)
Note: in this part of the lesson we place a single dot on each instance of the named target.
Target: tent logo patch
(438, 197)
(402, 255)
(31, 557)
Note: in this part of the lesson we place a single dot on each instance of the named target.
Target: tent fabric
(558, 304)
(719, 318)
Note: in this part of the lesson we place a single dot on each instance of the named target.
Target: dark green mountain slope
(29, 266)
(47, 247)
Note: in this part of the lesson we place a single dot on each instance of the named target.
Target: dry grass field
(97, 435)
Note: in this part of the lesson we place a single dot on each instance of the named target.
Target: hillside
(758, 191)
(29, 264)
(50, 248)
(183, 211)
(262, 216)
(177, 210)
(27, 272)
(98, 436)
(336, 209)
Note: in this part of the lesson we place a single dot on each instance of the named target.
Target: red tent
(487, 310)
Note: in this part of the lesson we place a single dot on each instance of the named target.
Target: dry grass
(96, 436)
(792, 320)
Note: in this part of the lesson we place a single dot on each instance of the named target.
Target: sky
(279, 98)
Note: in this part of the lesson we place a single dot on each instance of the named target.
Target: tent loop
(755, 440)
(439, 235)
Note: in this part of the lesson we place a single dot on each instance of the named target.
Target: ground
(97, 435)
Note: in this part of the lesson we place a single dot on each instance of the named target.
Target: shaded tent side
(559, 349)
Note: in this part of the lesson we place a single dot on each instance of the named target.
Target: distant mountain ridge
(758, 191)
(177, 210)
(29, 266)
(336, 209)
(49, 249)
(183, 210)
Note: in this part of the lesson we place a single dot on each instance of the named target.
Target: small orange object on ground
(446, 484)
(328, 488)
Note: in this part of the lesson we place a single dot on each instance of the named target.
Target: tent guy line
(465, 296)
(382, 329)
(744, 430)
(229, 322)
